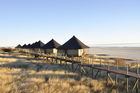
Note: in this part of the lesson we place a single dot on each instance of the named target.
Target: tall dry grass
(21, 75)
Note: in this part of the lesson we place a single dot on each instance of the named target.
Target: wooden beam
(110, 78)
(136, 86)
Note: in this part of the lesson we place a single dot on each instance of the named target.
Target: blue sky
(92, 21)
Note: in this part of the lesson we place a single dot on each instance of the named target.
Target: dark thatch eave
(51, 44)
(24, 46)
(73, 43)
(29, 46)
(18, 46)
(38, 44)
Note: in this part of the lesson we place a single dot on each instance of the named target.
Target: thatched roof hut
(51, 47)
(18, 46)
(38, 44)
(73, 47)
(29, 46)
(24, 46)
(51, 44)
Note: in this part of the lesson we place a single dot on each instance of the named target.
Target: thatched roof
(73, 43)
(29, 46)
(18, 46)
(51, 44)
(24, 46)
(38, 44)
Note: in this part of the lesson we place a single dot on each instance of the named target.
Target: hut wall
(82, 52)
(72, 52)
(51, 51)
(38, 50)
(61, 52)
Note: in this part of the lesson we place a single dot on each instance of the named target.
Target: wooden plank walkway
(109, 68)
(116, 71)
(114, 68)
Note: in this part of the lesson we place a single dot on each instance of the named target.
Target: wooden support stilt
(60, 62)
(52, 60)
(92, 72)
(65, 65)
(110, 78)
(116, 79)
(72, 67)
(83, 70)
(80, 70)
(96, 74)
(127, 84)
(56, 61)
(107, 79)
(68, 66)
(76, 68)
(136, 86)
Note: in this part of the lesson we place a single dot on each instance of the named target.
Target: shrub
(7, 50)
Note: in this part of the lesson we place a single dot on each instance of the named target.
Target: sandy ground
(126, 52)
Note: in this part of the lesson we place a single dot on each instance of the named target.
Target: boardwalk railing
(103, 64)
(110, 65)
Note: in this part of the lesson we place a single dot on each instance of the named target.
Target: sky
(92, 21)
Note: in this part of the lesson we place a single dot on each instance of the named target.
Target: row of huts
(73, 47)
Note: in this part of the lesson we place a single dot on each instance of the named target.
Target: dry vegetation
(26, 75)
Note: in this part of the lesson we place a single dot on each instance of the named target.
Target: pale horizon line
(114, 43)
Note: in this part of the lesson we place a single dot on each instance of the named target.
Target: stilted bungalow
(37, 46)
(24, 46)
(29, 48)
(51, 47)
(73, 47)
(18, 46)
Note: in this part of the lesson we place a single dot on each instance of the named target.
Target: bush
(7, 50)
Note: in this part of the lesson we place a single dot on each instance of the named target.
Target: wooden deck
(100, 67)
(111, 70)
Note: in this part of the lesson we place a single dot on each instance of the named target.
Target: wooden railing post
(117, 64)
(100, 62)
(92, 62)
(137, 68)
(127, 69)
(108, 66)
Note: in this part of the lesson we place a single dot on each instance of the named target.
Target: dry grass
(24, 74)
(21, 75)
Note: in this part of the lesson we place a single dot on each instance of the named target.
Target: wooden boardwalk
(117, 71)
(108, 69)
(100, 67)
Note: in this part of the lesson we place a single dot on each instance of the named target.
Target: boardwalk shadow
(24, 58)
(54, 70)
